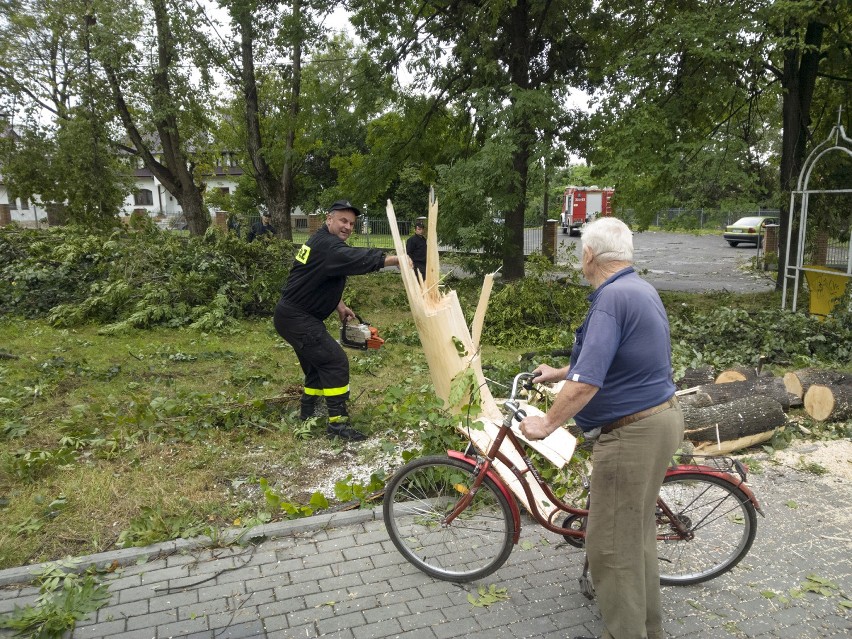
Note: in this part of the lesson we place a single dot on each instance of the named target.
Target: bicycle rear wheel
(720, 519)
(418, 499)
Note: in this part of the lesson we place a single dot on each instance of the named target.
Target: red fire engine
(582, 204)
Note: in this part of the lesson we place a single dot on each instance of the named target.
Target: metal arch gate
(837, 141)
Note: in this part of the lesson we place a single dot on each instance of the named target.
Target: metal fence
(690, 219)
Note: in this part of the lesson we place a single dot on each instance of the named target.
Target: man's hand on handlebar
(544, 373)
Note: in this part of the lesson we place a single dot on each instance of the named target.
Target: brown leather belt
(642, 414)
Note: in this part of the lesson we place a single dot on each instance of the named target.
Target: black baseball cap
(419, 225)
(343, 205)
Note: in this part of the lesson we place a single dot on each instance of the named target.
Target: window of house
(224, 190)
(13, 201)
(143, 197)
(25, 204)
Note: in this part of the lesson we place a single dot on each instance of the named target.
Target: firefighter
(312, 292)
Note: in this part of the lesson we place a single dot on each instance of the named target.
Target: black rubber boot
(342, 429)
(308, 406)
(338, 421)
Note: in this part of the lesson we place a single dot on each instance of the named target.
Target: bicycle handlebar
(510, 404)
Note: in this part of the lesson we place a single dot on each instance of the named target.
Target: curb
(127, 556)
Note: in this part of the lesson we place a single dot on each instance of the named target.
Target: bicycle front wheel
(720, 520)
(417, 501)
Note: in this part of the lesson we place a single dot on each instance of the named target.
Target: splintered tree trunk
(722, 428)
(829, 403)
(798, 382)
(453, 354)
(736, 374)
(773, 387)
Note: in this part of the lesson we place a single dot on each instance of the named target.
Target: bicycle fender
(513, 503)
(707, 470)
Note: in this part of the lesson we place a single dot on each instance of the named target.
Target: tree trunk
(697, 377)
(798, 79)
(746, 417)
(829, 403)
(268, 184)
(798, 382)
(283, 227)
(772, 387)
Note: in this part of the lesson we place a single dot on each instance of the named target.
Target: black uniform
(415, 248)
(259, 228)
(312, 293)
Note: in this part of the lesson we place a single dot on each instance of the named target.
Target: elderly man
(313, 291)
(619, 390)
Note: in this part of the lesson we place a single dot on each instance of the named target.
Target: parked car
(748, 230)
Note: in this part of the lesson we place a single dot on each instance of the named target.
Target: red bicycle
(454, 517)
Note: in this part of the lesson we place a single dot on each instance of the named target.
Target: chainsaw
(361, 336)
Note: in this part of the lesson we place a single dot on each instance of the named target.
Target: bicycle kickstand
(586, 586)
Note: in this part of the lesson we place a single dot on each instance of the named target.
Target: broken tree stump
(798, 382)
(455, 365)
(829, 403)
(723, 428)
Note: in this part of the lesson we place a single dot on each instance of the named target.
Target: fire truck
(582, 204)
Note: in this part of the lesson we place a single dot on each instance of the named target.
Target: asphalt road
(690, 263)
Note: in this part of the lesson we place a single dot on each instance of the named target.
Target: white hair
(610, 239)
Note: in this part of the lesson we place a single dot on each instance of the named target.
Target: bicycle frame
(483, 465)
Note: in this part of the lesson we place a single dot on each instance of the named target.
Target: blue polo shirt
(623, 348)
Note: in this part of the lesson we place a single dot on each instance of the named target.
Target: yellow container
(827, 286)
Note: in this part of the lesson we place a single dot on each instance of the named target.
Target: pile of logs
(741, 406)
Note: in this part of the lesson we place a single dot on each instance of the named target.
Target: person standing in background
(415, 248)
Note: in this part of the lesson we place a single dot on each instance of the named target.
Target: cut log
(695, 398)
(697, 377)
(798, 382)
(710, 426)
(736, 374)
(732, 445)
(773, 387)
(829, 403)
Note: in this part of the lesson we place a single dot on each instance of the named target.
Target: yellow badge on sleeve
(302, 255)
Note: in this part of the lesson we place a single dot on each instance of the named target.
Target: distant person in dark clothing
(314, 291)
(234, 224)
(263, 227)
(415, 248)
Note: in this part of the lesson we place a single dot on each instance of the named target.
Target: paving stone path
(340, 576)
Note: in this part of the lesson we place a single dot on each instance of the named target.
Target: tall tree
(64, 152)
(161, 107)
(506, 63)
(302, 97)
(702, 92)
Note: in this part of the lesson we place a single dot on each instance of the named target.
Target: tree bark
(798, 382)
(773, 387)
(798, 79)
(697, 377)
(733, 420)
(829, 403)
(267, 183)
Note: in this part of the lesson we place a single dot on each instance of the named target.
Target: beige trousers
(628, 467)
